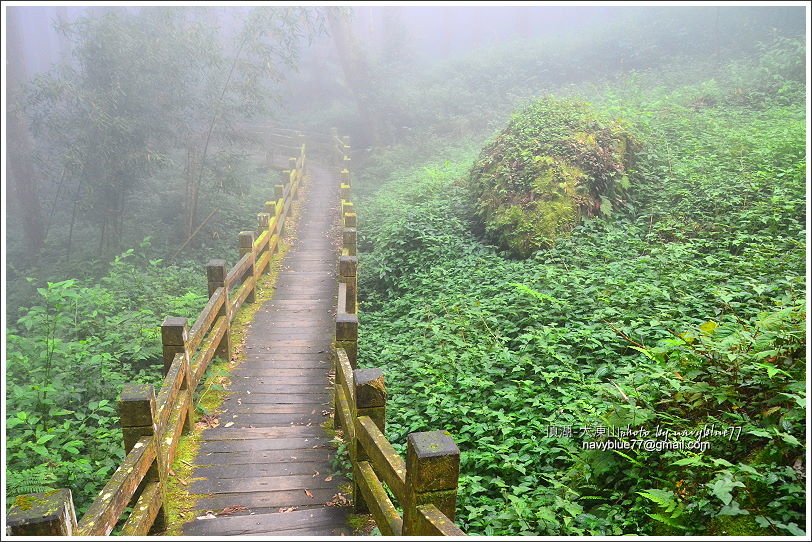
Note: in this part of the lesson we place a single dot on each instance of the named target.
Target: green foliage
(683, 310)
(68, 356)
(556, 161)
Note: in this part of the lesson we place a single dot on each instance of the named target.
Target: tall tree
(149, 85)
(20, 171)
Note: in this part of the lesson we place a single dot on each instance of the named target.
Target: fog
(549, 217)
(182, 82)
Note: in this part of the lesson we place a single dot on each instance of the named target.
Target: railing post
(174, 334)
(432, 474)
(349, 238)
(42, 514)
(216, 271)
(262, 222)
(137, 412)
(347, 335)
(247, 247)
(347, 207)
(345, 177)
(346, 192)
(273, 222)
(348, 274)
(279, 191)
(292, 163)
(370, 400)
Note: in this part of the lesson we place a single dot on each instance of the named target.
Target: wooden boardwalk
(275, 458)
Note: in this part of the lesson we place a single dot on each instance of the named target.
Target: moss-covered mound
(556, 162)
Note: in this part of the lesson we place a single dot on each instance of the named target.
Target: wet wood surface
(272, 464)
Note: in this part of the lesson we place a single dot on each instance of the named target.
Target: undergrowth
(682, 311)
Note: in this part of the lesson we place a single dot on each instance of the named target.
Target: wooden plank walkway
(276, 456)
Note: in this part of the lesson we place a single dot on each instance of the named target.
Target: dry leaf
(171, 472)
(308, 493)
(231, 509)
(183, 482)
(328, 479)
(229, 424)
(315, 474)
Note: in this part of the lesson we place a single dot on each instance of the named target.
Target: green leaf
(732, 509)
(694, 460)
(709, 327)
(668, 521)
(722, 488)
(606, 206)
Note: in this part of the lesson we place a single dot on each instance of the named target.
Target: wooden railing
(425, 484)
(151, 425)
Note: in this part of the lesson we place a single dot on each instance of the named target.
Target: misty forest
(581, 251)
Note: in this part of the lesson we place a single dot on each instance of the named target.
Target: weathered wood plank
(310, 468)
(389, 465)
(259, 372)
(259, 419)
(242, 293)
(204, 320)
(435, 523)
(289, 399)
(208, 351)
(344, 413)
(344, 374)
(105, 511)
(145, 510)
(384, 512)
(231, 433)
(263, 456)
(261, 264)
(165, 401)
(257, 483)
(234, 445)
(173, 429)
(271, 523)
(239, 269)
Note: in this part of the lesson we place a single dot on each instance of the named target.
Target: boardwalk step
(308, 521)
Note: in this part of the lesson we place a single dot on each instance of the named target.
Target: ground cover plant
(683, 310)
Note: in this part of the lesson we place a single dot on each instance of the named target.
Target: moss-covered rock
(556, 162)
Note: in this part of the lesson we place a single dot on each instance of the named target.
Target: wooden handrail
(151, 426)
(428, 500)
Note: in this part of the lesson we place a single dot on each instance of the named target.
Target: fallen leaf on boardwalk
(328, 479)
(286, 510)
(313, 412)
(308, 493)
(316, 474)
(231, 509)
(239, 401)
(338, 500)
(248, 392)
(201, 425)
(208, 515)
(229, 424)
(183, 482)
(212, 421)
(171, 472)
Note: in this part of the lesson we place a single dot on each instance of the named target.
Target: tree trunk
(20, 170)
